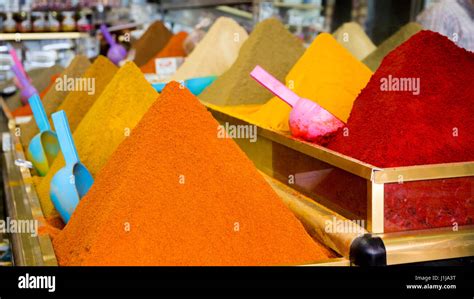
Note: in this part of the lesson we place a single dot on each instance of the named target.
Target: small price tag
(22, 119)
(6, 142)
(166, 67)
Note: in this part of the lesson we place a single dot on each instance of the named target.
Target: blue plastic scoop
(72, 181)
(44, 147)
(195, 85)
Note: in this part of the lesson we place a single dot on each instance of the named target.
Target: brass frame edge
(352, 165)
(336, 262)
(375, 207)
(326, 155)
(315, 218)
(428, 245)
(47, 250)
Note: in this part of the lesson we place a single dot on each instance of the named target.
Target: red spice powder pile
(22, 111)
(174, 48)
(398, 128)
(173, 193)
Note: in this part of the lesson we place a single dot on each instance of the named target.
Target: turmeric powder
(107, 123)
(77, 103)
(326, 74)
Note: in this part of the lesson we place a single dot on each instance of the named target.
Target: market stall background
(218, 43)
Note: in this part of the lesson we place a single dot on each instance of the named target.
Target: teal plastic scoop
(44, 147)
(195, 85)
(72, 181)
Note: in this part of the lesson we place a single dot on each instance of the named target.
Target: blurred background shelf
(42, 36)
(168, 5)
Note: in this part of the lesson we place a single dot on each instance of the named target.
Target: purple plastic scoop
(308, 120)
(116, 52)
(27, 89)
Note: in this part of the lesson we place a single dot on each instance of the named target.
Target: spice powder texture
(173, 193)
(107, 123)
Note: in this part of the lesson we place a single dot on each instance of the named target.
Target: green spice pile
(272, 47)
(374, 60)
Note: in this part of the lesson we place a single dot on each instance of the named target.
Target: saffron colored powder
(107, 123)
(22, 111)
(50, 85)
(173, 193)
(326, 73)
(174, 48)
(389, 128)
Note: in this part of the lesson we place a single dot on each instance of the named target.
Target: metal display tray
(278, 155)
(22, 202)
(357, 183)
(398, 248)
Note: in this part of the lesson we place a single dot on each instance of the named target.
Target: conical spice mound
(271, 46)
(174, 193)
(107, 123)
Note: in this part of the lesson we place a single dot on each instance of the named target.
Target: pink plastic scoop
(16, 60)
(27, 89)
(308, 120)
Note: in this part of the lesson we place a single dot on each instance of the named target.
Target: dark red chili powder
(399, 128)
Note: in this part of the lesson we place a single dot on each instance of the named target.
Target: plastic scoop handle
(17, 61)
(38, 112)
(66, 142)
(21, 78)
(276, 87)
(107, 36)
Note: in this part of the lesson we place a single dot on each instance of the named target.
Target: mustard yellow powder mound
(54, 97)
(109, 121)
(327, 74)
(77, 103)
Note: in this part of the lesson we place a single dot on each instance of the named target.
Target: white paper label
(22, 119)
(6, 142)
(166, 67)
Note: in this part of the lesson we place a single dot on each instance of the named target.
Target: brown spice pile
(151, 42)
(269, 45)
(54, 97)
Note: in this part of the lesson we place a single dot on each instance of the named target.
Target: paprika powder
(174, 193)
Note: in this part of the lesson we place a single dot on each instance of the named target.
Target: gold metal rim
(354, 166)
